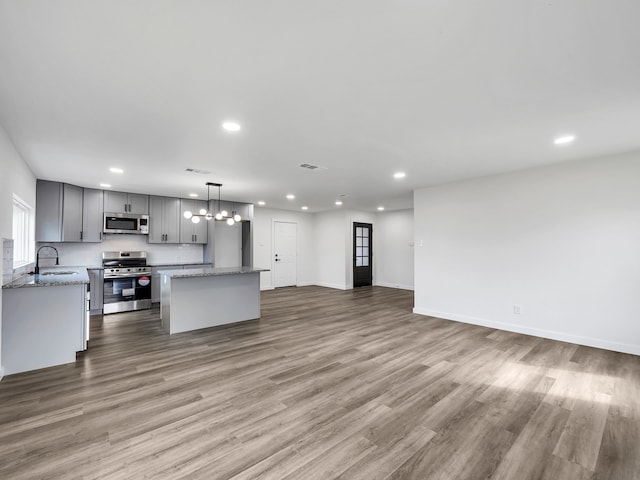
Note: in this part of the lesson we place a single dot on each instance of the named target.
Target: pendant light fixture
(219, 215)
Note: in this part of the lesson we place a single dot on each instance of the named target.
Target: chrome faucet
(37, 269)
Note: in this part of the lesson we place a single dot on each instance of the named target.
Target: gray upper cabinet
(119, 202)
(63, 216)
(72, 197)
(164, 220)
(48, 211)
(241, 209)
(139, 203)
(92, 217)
(193, 232)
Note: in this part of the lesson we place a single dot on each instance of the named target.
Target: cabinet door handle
(81, 232)
(195, 238)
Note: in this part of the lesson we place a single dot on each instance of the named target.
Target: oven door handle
(128, 275)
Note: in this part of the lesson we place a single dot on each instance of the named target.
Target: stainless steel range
(127, 281)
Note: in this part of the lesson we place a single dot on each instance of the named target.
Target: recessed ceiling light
(304, 207)
(338, 202)
(105, 185)
(231, 126)
(193, 194)
(564, 140)
(261, 203)
(399, 175)
(380, 208)
(291, 196)
(116, 170)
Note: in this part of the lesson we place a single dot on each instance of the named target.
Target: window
(23, 222)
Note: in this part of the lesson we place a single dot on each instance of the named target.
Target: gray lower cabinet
(164, 220)
(119, 202)
(155, 280)
(67, 213)
(193, 232)
(96, 287)
(42, 326)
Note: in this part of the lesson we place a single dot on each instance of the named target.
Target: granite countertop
(175, 264)
(49, 278)
(210, 271)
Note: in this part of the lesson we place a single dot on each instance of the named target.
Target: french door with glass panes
(362, 254)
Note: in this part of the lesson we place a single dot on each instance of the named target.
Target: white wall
(263, 219)
(331, 237)
(393, 237)
(563, 242)
(15, 177)
(325, 253)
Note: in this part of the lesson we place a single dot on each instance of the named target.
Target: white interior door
(284, 254)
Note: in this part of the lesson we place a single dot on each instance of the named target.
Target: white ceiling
(439, 89)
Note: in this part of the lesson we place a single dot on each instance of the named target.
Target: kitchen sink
(57, 273)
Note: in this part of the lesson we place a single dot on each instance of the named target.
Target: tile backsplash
(90, 254)
(7, 260)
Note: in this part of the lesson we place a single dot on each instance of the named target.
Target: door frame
(353, 252)
(273, 249)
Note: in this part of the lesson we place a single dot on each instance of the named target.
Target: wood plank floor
(328, 384)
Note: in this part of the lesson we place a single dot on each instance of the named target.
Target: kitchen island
(44, 319)
(208, 297)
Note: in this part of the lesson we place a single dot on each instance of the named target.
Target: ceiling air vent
(195, 170)
(309, 166)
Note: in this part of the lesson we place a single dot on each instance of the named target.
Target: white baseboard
(305, 284)
(266, 288)
(537, 332)
(394, 285)
(1, 373)
(337, 286)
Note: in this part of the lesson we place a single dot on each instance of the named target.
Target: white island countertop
(210, 271)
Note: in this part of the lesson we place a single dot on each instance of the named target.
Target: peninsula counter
(207, 297)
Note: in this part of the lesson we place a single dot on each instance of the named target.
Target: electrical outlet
(516, 309)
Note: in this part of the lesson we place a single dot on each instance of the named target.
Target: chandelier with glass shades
(219, 215)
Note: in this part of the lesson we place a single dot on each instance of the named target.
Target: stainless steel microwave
(126, 223)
